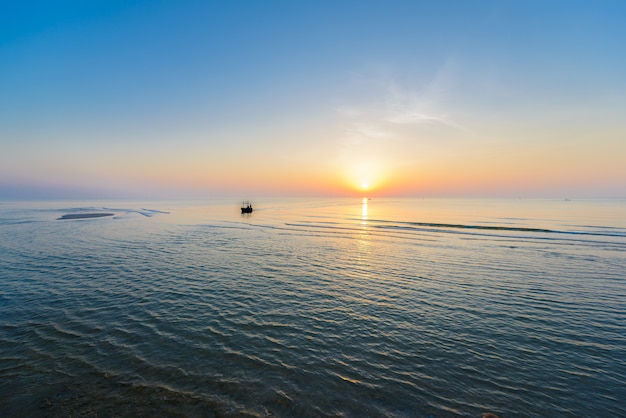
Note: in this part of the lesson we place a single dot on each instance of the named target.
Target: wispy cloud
(399, 112)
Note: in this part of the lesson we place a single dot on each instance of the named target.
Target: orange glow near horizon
(465, 174)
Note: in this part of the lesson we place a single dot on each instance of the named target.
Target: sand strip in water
(85, 215)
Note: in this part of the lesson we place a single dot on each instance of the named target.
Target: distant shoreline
(85, 215)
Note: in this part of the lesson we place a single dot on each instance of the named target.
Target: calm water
(402, 308)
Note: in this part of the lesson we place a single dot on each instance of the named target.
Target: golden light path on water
(364, 211)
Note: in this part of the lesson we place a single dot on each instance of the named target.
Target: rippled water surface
(355, 308)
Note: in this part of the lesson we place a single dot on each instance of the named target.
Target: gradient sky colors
(321, 98)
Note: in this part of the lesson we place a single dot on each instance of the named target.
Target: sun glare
(364, 176)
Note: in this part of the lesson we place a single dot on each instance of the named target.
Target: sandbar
(85, 215)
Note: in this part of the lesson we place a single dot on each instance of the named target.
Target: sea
(352, 307)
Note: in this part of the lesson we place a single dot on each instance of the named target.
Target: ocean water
(314, 308)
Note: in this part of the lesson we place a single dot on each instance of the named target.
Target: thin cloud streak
(400, 113)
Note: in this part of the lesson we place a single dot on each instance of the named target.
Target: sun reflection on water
(364, 238)
(364, 211)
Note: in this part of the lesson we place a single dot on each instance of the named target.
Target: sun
(364, 176)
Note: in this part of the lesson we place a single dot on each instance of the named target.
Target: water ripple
(310, 316)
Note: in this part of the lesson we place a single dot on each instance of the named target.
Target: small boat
(246, 207)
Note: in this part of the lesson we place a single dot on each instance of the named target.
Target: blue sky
(171, 98)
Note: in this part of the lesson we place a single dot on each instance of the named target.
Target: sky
(203, 99)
